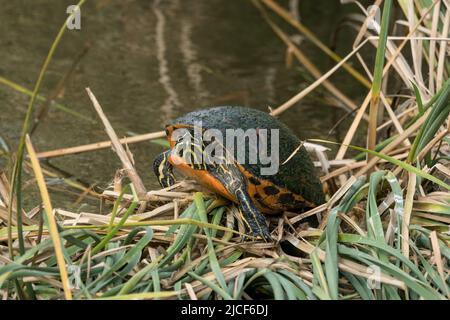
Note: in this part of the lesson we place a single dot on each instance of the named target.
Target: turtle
(239, 177)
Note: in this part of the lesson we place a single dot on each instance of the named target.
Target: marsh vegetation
(382, 234)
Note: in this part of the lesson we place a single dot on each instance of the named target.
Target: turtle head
(176, 132)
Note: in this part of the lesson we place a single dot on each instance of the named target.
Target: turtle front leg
(232, 179)
(163, 170)
(254, 218)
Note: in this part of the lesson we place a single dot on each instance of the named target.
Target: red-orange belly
(205, 178)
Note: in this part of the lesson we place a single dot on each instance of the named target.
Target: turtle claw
(245, 238)
(255, 235)
(262, 234)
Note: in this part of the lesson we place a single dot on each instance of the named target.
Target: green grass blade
(420, 288)
(113, 230)
(140, 245)
(418, 99)
(438, 115)
(331, 256)
(320, 285)
(402, 164)
(214, 263)
(377, 76)
(212, 285)
(274, 282)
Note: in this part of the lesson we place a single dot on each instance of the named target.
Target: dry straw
(383, 233)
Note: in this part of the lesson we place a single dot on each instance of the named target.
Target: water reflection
(172, 101)
(150, 61)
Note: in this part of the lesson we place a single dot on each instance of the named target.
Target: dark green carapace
(293, 186)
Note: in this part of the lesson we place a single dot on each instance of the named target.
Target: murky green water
(149, 61)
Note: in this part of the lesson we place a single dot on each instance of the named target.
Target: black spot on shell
(254, 181)
(299, 203)
(286, 198)
(270, 190)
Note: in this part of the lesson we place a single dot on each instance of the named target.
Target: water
(150, 61)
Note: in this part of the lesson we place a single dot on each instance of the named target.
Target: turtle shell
(295, 184)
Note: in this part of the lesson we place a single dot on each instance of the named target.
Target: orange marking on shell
(271, 201)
